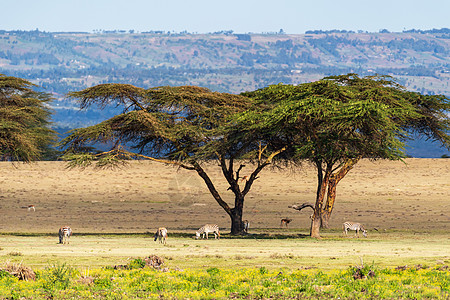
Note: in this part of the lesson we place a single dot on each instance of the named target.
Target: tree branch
(238, 171)
(300, 207)
(255, 173)
(170, 162)
(212, 188)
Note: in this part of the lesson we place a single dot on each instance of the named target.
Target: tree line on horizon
(331, 123)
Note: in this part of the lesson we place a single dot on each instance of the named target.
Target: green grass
(291, 251)
(63, 282)
(257, 266)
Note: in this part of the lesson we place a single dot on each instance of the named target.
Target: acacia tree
(182, 126)
(24, 120)
(335, 122)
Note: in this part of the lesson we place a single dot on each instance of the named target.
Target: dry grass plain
(407, 203)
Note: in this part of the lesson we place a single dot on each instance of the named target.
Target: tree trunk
(328, 208)
(331, 193)
(315, 226)
(323, 180)
(324, 218)
(237, 226)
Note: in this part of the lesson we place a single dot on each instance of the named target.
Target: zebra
(246, 225)
(161, 234)
(64, 234)
(354, 226)
(205, 229)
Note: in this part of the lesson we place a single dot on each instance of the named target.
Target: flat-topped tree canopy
(431, 117)
(170, 122)
(345, 116)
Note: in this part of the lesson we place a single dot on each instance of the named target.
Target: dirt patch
(144, 196)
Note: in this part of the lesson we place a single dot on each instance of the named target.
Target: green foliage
(213, 271)
(4, 273)
(411, 283)
(136, 263)
(56, 277)
(362, 272)
(24, 120)
(173, 123)
(345, 117)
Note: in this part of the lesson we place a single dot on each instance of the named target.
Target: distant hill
(223, 61)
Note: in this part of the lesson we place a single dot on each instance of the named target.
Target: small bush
(213, 271)
(57, 277)
(4, 273)
(136, 263)
(362, 272)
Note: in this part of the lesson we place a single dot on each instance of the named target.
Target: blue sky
(201, 16)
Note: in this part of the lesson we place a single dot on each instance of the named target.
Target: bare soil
(143, 196)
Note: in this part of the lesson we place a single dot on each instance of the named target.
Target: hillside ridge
(60, 62)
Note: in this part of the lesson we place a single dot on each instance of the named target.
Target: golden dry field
(114, 214)
(144, 195)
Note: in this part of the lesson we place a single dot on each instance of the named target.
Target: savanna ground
(114, 214)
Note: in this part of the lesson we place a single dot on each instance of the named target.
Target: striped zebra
(354, 226)
(205, 229)
(161, 234)
(64, 234)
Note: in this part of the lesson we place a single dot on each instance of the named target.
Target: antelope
(285, 221)
(245, 178)
(246, 225)
(30, 207)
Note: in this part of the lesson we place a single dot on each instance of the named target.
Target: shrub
(213, 271)
(4, 273)
(362, 272)
(56, 277)
(136, 263)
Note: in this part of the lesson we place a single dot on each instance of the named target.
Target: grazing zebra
(205, 229)
(246, 226)
(354, 226)
(285, 221)
(161, 234)
(64, 234)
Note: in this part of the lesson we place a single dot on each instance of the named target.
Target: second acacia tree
(335, 122)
